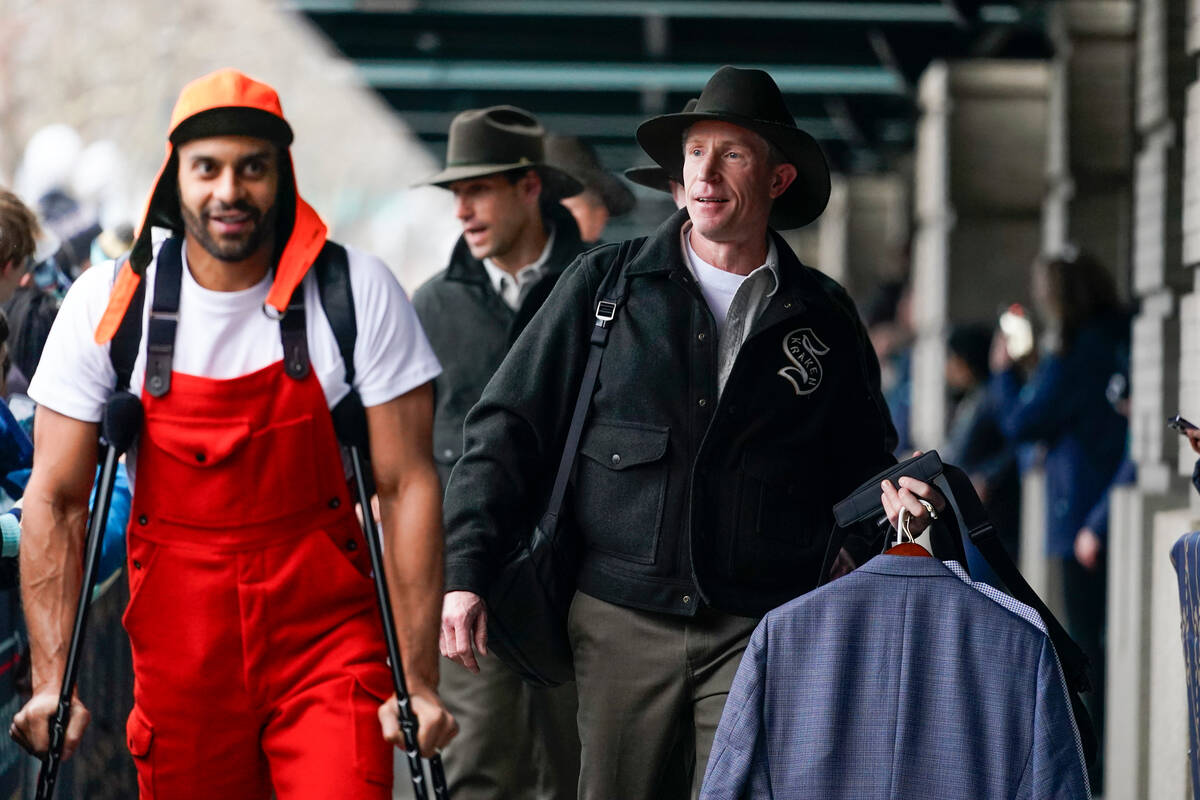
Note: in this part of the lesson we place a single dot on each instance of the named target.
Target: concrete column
(876, 231)
(979, 186)
(1131, 563)
(1146, 750)
(1091, 131)
(831, 230)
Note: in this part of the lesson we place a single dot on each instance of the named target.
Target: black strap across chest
(333, 282)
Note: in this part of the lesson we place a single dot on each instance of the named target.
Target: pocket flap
(138, 734)
(197, 441)
(619, 445)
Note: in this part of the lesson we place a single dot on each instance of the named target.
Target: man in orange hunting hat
(258, 653)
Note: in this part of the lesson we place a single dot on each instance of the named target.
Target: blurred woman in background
(1057, 398)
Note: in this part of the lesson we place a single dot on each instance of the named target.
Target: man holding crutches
(259, 657)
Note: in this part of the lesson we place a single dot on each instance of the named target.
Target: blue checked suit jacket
(897, 681)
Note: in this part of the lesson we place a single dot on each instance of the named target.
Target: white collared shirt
(735, 301)
(513, 288)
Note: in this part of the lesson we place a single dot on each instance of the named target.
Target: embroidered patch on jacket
(802, 347)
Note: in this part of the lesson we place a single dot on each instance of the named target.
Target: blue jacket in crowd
(1063, 406)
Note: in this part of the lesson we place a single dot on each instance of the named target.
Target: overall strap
(123, 349)
(164, 317)
(294, 336)
(609, 299)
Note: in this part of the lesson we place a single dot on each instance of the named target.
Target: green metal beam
(589, 76)
(880, 12)
(603, 126)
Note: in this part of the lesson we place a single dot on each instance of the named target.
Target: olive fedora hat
(490, 141)
(748, 98)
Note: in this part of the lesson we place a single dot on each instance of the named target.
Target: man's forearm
(51, 563)
(412, 530)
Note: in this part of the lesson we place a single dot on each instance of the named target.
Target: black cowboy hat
(490, 141)
(653, 176)
(748, 98)
(577, 158)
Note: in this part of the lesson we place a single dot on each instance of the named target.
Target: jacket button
(142, 520)
(687, 598)
(351, 545)
(334, 502)
(701, 336)
(200, 457)
(616, 458)
(703, 402)
(447, 454)
(787, 304)
(137, 564)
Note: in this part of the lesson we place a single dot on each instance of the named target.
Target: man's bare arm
(53, 529)
(401, 436)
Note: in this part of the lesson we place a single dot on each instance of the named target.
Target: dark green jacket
(471, 329)
(676, 492)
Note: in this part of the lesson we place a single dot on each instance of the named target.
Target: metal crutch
(121, 421)
(350, 421)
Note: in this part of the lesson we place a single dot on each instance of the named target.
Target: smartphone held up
(1018, 332)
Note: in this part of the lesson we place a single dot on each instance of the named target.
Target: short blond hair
(18, 230)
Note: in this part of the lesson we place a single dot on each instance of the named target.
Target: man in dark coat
(515, 741)
(737, 401)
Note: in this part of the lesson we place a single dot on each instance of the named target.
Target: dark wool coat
(678, 494)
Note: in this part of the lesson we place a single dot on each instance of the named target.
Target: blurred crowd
(68, 209)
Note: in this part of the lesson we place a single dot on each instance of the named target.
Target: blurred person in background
(1058, 399)
(515, 741)
(655, 177)
(1092, 539)
(19, 231)
(888, 317)
(976, 443)
(603, 196)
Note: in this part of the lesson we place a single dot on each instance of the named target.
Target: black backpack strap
(164, 316)
(337, 298)
(609, 299)
(123, 349)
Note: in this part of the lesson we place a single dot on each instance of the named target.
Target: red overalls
(258, 656)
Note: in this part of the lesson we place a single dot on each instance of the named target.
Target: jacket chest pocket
(621, 488)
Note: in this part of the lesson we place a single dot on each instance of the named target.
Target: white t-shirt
(224, 335)
(719, 286)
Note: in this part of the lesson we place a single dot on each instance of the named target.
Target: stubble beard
(232, 250)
